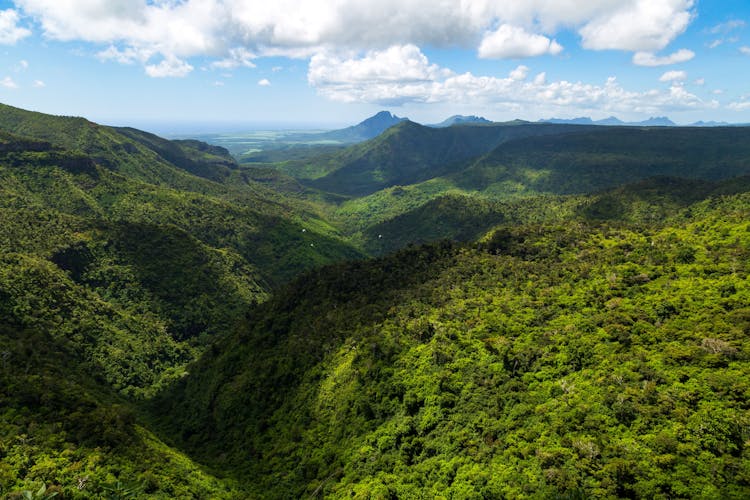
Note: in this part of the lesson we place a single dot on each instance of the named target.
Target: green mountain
(568, 360)
(117, 270)
(534, 161)
(408, 153)
(178, 325)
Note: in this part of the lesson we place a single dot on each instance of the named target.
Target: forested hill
(122, 255)
(174, 324)
(542, 157)
(575, 360)
(407, 153)
(414, 181)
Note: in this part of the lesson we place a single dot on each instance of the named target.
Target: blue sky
(201, 65)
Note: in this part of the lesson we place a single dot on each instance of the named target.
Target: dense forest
(491, 311)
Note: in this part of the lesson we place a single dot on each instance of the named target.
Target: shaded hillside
(576, 161)
(110, 285)
(454, 217)
(590, 161)
(569, 360)
(409, 153)
(198, 158)
(62, 428)
(466, 216)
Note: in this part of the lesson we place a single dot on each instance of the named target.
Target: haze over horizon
(325, 64)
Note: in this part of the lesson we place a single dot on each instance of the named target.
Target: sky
(204, 65)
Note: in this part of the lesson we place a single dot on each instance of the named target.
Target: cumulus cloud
(639, 25)
(650, 59)
(520, 73)
(39, 84)
(128, 55)
(376, 77)
(745, 50)
(138, 29)
(8, 83)
(673, 76)
(169, 67)
(513, 42)
(264, 82)
(10, 32)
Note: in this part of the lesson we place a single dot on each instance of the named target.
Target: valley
(391, 310)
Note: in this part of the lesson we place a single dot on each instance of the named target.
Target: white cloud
(520, 73)
(673, 76)
(276, 69)
(739, 105)
(638, 25)
(745, 50)
(238, 56)
(700, 81)
(8, 83)
(38, 84)
(183, 29)
(728, 26)
(512, 42)
(128, 55)
(264, 82)
(23, 65)
(376, 77)
(169, 67)
(650, 59)
(10, 32)
(715, 43)
(218, 83)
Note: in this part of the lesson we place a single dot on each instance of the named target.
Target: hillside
(565, 160)
(577, 360)
(178, 325)
(111, 285)
(410, 153)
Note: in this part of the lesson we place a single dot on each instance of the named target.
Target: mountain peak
(381, 119)
(366, 129)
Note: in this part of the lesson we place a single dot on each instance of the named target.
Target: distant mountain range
(380, 122)
(659, 121)
(461, 120)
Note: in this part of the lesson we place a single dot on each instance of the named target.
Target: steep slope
(568, 360)
(365, 130)
(110, 285)
(198, 158)
(63, 429)
(104, 145)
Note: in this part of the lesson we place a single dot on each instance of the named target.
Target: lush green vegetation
(177, 325)
(589, 359)
(111, 281)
